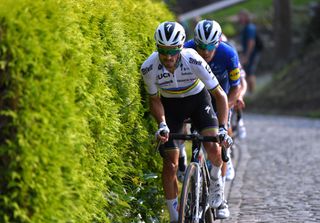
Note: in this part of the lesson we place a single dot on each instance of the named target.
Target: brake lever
(162, 133)
(157, 147)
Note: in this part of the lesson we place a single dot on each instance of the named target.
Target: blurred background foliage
(74, 137)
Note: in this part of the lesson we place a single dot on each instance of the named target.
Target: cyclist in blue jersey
(239, 107)
(178, 81)
(237, 111)
(236, 114)
(224, 62)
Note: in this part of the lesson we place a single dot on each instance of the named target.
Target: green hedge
(74, 130)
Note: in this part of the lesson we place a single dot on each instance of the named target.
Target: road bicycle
(194, 206)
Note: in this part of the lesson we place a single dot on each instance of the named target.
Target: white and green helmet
(170, 34)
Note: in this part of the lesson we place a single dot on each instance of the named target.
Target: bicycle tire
(188, 201)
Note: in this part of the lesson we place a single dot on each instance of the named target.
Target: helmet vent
(199, 33)
(161, 38)
(176, 37)
(215, 33)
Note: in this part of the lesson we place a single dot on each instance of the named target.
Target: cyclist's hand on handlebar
(225, 139)
(163, 132)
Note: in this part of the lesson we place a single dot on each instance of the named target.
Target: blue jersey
(224, 65)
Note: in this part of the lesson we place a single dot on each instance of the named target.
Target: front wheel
(189, 199)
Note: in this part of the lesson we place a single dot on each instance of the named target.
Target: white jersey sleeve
(149, 79)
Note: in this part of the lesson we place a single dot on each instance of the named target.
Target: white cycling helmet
(170, 34)
(207, 32)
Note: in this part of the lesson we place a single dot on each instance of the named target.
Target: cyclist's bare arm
(222, 104)
(233, 95)
(240, 102)
(243, 86)
(156, 108)
(157, 111)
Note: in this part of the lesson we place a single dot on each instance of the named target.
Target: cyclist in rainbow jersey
(178, 81)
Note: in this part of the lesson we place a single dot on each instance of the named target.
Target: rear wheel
(188, 202)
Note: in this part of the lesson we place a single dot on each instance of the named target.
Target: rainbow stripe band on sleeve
(215, 88)
(182, 90)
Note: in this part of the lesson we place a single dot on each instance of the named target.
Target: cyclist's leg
(207, 123)
(226, 171)
(182, 157)
(223, 172)
(227, 168)
(175, 115)
(241, 128)
(170, 183)
(224, 165)
(223, 210)
(214, 155)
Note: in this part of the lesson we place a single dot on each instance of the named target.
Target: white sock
(229, 152)
(182, 149)
(215, 172)
(240, 123)
(223, 184)
(182, 157)
(173, 209)
(223, 181)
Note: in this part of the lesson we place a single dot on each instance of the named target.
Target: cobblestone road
(278, 171)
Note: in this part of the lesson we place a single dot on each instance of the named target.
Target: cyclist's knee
(212, 149)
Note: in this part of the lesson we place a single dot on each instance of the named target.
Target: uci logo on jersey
(163, 75)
